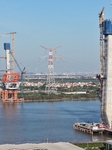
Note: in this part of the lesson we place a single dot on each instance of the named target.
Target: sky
(71, 24)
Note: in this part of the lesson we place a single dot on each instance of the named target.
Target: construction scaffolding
(105, 76)
(10, 80)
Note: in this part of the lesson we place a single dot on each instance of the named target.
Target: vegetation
(78, 88)
(91, 145)
(59, 96)
(35, 93)
(71, 80)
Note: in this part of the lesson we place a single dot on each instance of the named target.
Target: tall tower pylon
(50, 82)
(105, 76)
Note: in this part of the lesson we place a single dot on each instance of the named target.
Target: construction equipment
(10, 80)
(101, 19)
(105, 76)
(22, 72)
(12, 49)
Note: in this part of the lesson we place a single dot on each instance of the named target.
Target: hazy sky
(72, 24)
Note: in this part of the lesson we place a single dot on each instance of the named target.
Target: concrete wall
(108, 94)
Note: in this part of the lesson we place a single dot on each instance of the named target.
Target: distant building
(80, 92)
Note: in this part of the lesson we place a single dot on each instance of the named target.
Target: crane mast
(12, 49)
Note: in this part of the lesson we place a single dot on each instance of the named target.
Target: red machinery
(10, 83)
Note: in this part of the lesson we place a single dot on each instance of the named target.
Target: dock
(92, 128)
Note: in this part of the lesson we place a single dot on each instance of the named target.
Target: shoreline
(57, 100)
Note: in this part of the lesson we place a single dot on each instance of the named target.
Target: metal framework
(10, 87)
(50, 82)
(101, 19)
(10, 80)
(12, 48)
(100, 77)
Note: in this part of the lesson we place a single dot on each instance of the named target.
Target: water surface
(36, 122)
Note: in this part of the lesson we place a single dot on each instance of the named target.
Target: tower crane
(101, 19)
(12, 48)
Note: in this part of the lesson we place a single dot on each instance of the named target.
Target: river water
(35, 122)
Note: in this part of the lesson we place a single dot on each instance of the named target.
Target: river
(35, 122)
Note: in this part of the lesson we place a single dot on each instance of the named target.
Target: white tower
(50, 83)
(7, 56)
(106, 76)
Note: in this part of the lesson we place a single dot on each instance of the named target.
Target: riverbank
(57, 100)
(57, 97)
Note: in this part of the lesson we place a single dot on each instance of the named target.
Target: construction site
(11, 80)
(105, 79)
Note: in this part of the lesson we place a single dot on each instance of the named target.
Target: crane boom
(101, 13)
(16, 61)
(22, 72)
(101, 16)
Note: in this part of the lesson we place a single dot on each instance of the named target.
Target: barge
(92, 128)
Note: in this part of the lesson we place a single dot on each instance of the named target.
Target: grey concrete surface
(40, 146)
